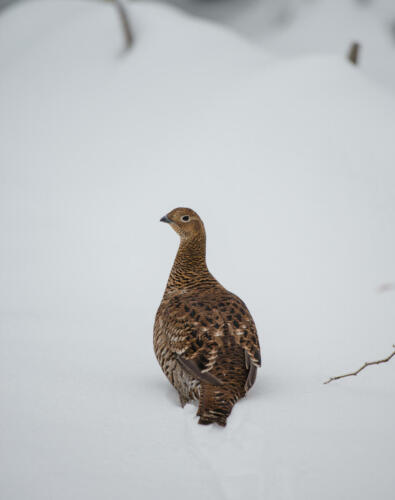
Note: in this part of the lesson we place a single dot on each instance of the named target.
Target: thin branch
(363, 367)
(125, 23)
(353, 53)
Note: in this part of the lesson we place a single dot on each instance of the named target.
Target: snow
(289, 163)
(332, 25)
(296, 27)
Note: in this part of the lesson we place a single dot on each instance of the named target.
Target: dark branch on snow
(125, 23)
(353, 53)
(363, 367)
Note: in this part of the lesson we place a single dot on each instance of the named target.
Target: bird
(205, 339)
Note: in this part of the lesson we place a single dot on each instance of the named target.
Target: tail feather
(216, 401)
(215, 405)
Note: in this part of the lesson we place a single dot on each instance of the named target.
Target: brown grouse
(204, 336)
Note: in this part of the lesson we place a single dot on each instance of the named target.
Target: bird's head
(185, 222)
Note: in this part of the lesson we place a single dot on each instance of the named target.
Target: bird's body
(204, 336)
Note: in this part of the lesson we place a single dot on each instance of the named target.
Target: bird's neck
(190, 269)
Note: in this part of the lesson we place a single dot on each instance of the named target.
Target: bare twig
(125, 23)
(363, 367)
(353, 53)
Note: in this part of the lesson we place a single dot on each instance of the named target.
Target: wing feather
(198, 328)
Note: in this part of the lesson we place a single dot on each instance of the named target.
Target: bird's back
(209, 333)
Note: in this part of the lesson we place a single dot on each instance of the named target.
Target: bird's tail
(215, 404)
(216, 401)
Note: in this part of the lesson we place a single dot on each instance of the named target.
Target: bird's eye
(185, 218)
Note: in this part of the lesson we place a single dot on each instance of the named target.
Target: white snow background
(290, 164)
(295, 27)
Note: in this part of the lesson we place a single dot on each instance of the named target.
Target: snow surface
(296, 27)
(291, 166)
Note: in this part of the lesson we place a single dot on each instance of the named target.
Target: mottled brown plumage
(204, 336)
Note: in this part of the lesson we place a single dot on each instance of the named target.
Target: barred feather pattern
(205, 339)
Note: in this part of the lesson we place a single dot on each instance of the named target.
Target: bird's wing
(243, 328)
(198, 328)
(193, 330)
(192, 366)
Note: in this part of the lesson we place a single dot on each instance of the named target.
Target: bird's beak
(165, 219)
